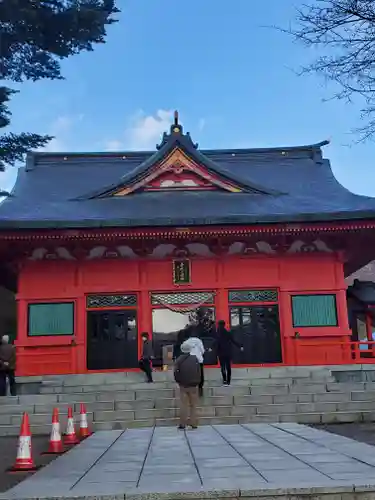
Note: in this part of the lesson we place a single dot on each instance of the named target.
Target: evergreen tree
(34, 36)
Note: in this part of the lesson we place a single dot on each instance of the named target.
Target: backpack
(187, 371)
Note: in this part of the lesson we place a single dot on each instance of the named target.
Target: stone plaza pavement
(230, 460)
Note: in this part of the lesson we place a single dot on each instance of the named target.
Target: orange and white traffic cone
(84, 430)
(70, 437)
(24, 460)
(55, 442)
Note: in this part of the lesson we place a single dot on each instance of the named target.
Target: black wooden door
(112, 339)
(257, 329)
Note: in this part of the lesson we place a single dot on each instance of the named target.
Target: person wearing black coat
(181, 337)
(224, 343)
(145, 363)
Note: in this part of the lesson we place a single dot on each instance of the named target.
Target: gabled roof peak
(177, 164)
(176, 136)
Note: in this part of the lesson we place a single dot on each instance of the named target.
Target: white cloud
(61, 128)
(143, 131)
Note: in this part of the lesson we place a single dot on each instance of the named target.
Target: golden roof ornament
(177, 134)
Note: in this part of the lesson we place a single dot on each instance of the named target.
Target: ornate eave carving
(58, 253)
(212, 249)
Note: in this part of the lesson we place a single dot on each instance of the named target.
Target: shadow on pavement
(8, 451)
(365, 433)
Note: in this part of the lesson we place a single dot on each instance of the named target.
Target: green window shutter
(314, 310)
(51, 319)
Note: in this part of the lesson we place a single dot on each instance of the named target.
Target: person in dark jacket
(225, 342)
(181, 337)
(7, 366)
(187, 374)
(198, 350)
(147, 355)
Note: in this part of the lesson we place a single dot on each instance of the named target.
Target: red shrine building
(102, 247)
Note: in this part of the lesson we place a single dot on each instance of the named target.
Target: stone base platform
(222, 461)
(119, 401)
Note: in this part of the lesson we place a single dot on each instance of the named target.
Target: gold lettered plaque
(181, 272)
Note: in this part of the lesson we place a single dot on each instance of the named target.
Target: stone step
(256, 395)
(165, 385)
(239, 386)
(212, 373)
(306, 418)
(302, 393)
(159, 403)
(171, 411)
(147, 391)
(100, 381)
(338, 399)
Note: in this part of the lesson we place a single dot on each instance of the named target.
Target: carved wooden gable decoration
(177, 165)
(178, 172)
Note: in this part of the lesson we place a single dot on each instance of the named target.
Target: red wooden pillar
(221, 300)
(144, 317)
(222, 307)
(79, 350)
(79, 343)
(342, 309)
(21, 335)
(21, 320)
(286, 329)
(371, 346)
(144, 320)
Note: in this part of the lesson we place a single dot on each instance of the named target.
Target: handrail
(349, 352)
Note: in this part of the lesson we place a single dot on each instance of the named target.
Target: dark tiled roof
(366, 273)
(176, 139)
(364, 291)
(297, 184)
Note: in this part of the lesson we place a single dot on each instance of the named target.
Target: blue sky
(232, 78)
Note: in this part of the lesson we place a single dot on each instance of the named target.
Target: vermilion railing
(332, 353)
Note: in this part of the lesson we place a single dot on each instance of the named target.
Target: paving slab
(218, 461)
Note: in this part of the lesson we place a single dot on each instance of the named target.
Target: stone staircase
(309, 395)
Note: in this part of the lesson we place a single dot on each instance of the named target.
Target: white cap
(186, 347)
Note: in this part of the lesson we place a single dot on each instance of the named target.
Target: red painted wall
(64, 280)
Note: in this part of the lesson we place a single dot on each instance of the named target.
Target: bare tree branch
(345, 31)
